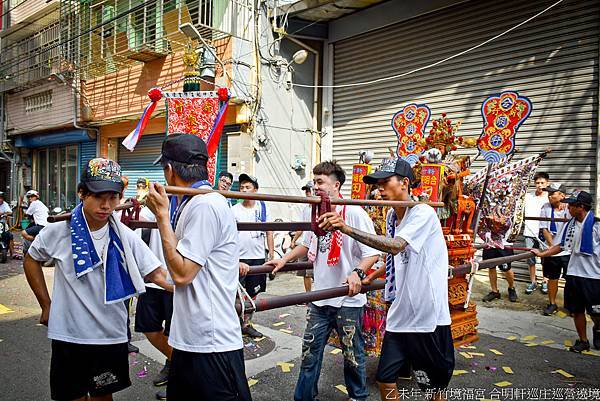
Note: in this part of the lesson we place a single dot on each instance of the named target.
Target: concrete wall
(28, 8)
(284, 124)
(60, 114)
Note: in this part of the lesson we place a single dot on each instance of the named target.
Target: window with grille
(37, 102)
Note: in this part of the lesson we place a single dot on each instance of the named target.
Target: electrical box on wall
(240, 153)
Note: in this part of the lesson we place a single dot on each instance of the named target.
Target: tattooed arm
(333, 221)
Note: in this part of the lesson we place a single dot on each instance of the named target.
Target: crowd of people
(188, 273)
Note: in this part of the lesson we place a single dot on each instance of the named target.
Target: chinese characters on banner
(194, 113)
(431, 176)
(409, 125)
(359, 188)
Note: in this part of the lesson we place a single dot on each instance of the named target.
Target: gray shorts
(533, 243)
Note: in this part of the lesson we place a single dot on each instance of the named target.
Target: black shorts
(430, 355)
(554, 266)
(211, 376)
(7, 236)
(153, 308)
(493, 253)
(34, 230)
(257, 283)
(80, 369)
(582, 294)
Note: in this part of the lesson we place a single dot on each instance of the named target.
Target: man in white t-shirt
(336, 259)
(305, 215)
(252, 245)
(155, 307)
(554, 266)
(531, 231)
(200, 244)
(38, 211)
(581, 236)
(99, 263)
(417, 333)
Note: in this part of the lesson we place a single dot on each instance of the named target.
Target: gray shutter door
(139, 162)
(87, 151)
(553, 60)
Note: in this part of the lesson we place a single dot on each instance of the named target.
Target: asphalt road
(25, 354)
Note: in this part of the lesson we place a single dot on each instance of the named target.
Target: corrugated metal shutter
(139, 162)
(87, 151)
(553, 60)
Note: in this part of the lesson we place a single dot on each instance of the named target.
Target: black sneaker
(491, 296)
(512, 295)
(161, 394)
(596, 332)
(550, 309)
(163, 376)
(132, 348)
(580, 346)
(250, 331)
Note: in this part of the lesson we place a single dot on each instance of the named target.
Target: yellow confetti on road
(511, 338)
(562, 372)
(495, 351)
(561, 314)
(342, 388)
(529, 338)
(583, 352)
(476, 353)
(502, 384)
(252, 382)
(286, 331)
(257, 340)
(459, 372)
(4, 310)
(468, 347)
(466, 355)
(546, 342)
(278, 324)
(335, 351)
(283, 315)
(508, 370)
(568, 343)
(285, 367)
(531, 344)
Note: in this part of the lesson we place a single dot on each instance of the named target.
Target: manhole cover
(256, 347)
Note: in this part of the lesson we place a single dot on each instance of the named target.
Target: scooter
(4, 241)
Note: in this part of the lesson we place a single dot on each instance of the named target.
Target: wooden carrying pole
(313, 200)
(263, 304)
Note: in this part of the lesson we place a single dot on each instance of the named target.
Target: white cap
(32, 192)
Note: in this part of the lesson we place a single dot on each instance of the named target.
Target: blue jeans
(348, 324)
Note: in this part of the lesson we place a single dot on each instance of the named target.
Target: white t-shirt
(533, 206)
(39, 211)
(155, 243)
(204, 316)
(421, 302)
(4, 208)
(78, 313)
(558, 214)
(252, 243)
(352, 252)
(584, 265)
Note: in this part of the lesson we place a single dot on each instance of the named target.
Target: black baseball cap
(579, 197)
(184, 148)
(390, 167)
(555, 187)
(102, 175)
(248, 178)
(308, 186)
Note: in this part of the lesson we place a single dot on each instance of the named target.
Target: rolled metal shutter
(87, 151)
(139, 162)
(552, 59)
